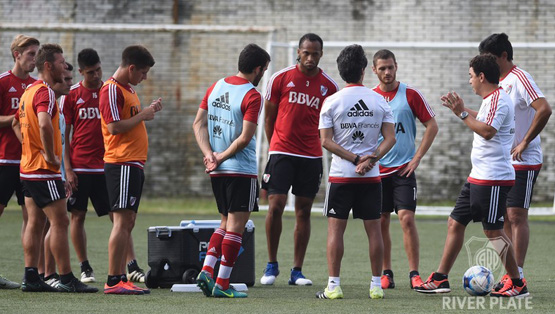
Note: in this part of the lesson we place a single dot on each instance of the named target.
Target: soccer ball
(478, 280)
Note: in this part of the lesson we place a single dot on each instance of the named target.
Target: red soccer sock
(214, 251)
(230, 250)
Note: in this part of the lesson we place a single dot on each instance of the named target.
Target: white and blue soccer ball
(478, 281)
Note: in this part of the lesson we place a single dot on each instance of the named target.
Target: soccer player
(50, 276)
(224, 129)
(484, 196)
(84, 164)
(126, 147)
(40, 173)
(531, 115)
(398, 166)
(354, 181)
(293, 102)
(12, 86)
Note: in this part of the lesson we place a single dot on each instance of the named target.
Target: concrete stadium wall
(188, 62)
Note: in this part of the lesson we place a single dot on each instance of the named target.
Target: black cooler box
(176, 254)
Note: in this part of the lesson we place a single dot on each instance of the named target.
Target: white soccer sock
(210, 260)
(376, 282)
(333, 282)
(520, 272)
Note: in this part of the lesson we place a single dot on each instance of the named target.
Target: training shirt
(407, 104)
(523, 91)
(299, 99)
(120, 102)
(356, 114)
(229, 101)
(81, 111)
(38, 97)
(11, 89)
(491, 159)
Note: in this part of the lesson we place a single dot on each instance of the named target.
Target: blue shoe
(298, 279)
(205, 283)
(270, 274)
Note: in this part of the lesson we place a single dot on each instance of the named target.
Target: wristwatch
(463, 115)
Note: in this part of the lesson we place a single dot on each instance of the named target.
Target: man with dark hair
(397, 168)
(531, 115)
(294, 99)
(225, 128)
(354, 181)
(484, 196)
(12, 86)
(50, 276)
(84, 165)
(38, 125)
(126, 147)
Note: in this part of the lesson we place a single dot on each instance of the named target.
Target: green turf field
(280, 298)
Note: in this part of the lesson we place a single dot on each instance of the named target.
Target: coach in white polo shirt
(351, 122)
(484, 195)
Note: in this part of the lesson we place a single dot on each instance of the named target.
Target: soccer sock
(297, 268)
(439, 276)
(376, 282)
(32, 274)
(520, 272)
(85, 266)
(132, 266)
(413, 273)
(230, 250)
(113, 280)
(41, 276)
(65, 279)
(517, 282)
(333, 282)
(54, 275)
(388, 272)
(214, 251)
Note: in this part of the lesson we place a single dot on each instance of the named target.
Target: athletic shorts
(91, 186)
(487, 204)
(365, 199)
(10, 183)
(44, 192)
(399, 192)
(235, 194)
(125, 186)
(284, 171)
(520, 194)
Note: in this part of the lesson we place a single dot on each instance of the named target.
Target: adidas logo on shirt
(12, 90)
(222, 102)
(80, 101)
(360, 110)
(290, 84)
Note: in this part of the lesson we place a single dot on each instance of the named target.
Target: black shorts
(10, 183)
(91, 186)
(235, 194)
(284, 171)
(520, 194)
(481, 203)
(399, 192)
(44, 192)
(365, 199)
(125, 186)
